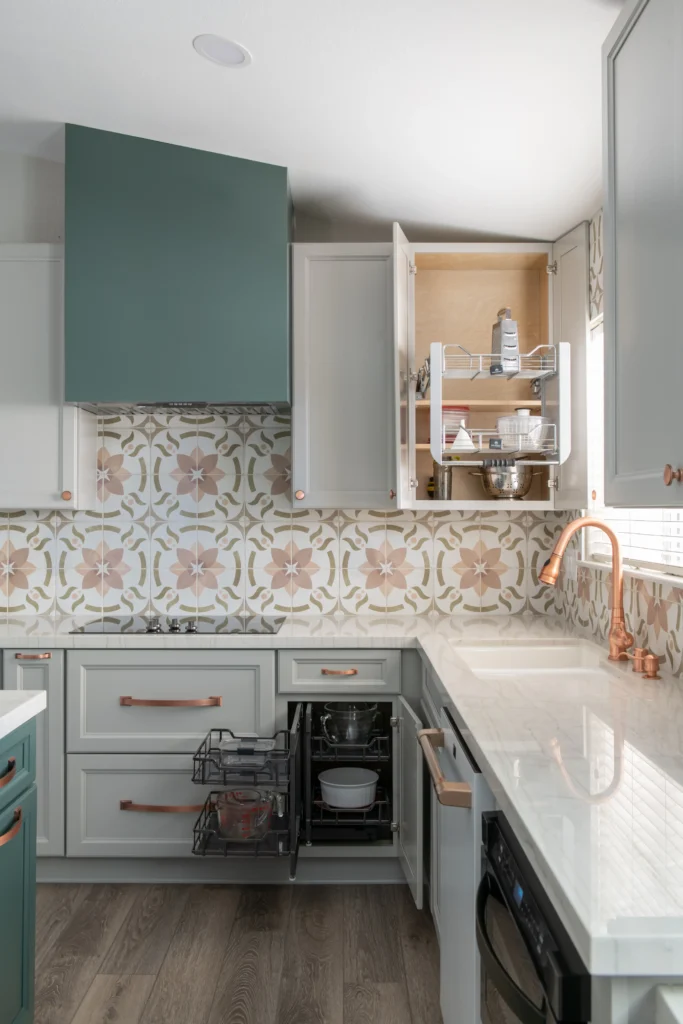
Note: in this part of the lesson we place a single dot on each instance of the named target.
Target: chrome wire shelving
(459, 363)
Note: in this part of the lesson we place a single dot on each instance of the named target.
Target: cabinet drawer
(17, 762)
(339, 671)
(165, 702)
(98, 826)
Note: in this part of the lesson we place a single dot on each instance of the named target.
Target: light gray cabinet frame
(343, 412)
(643, 253)
(36, 669)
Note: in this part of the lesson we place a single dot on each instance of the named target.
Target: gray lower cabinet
(131, 805)
(165, 701)
(44, 670)
(340, 671)
(643, 253)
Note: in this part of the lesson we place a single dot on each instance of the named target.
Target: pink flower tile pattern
(195, 515)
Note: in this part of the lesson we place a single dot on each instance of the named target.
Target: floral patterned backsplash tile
(194, 516)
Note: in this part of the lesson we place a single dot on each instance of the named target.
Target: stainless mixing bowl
(506, 481)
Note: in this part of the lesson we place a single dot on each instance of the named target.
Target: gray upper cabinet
(643, 225)
(343, 416)
(177, 275)
(44, 670)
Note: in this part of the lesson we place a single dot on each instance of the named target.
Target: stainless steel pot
(512, 481)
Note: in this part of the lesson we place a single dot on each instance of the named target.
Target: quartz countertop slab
(18, 707)
(604, 831)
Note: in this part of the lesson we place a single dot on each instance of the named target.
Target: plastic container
(348, 788)
(522, 432)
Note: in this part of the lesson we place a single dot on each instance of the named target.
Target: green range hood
(177, 278)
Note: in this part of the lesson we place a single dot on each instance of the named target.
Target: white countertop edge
(18, 707)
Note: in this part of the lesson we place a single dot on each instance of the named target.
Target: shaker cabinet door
(50, 463)
(18, 908)
(410, 801)
(44, 670)
(643, 254)
(343, 452)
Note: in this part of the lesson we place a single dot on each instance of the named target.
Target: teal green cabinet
(177, 280)
(17, 885)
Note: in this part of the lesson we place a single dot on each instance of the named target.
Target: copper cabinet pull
(66, 495)
(128, 805)
(11, 832)
(339, 671)
(671, 474)
(10, 773)
(299, 495)
(45, 656)
(199, 702)
(451, 794)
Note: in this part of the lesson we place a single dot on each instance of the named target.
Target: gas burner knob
(153, 626)
(174, 626)
(191, 627)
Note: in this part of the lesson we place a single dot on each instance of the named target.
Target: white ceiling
(456, 117)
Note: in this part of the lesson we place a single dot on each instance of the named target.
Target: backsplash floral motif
(194, 516)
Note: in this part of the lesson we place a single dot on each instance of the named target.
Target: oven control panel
(522, 905)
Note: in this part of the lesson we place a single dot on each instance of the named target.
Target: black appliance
(531, 972)
(187, 625)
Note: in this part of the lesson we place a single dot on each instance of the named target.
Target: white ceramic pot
(348, 787)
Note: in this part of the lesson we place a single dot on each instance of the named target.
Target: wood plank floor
(163, 954)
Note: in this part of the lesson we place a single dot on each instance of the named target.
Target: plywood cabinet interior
(453, 295)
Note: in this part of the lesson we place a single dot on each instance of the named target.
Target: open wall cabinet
(446, 299)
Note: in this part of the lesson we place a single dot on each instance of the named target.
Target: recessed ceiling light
(222, 51)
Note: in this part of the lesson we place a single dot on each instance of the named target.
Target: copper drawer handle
(340, 671)
(451, 794)
(128, 805)
(45, 656)
(199, 702)
(9, 835)
(10, 773)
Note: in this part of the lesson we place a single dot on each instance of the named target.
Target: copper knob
(671, 474)
(299, 495)
(66, 495)
(392, 494)
(651, 666)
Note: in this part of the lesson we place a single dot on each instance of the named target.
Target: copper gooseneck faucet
(619, 638)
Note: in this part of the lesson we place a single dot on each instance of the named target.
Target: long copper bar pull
(9, 835)
(128, 805)
(45, 656)
(339, 671)
(10, 773)
(199, 702)
(451, 794)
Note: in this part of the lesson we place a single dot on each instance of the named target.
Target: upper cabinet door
(343, 414)
(571, 325)
(50, 462)
(643, 226)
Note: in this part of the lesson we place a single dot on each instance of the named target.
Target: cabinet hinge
(551, 268)
(553, 483)
(413, 269)
(393, 722)
(412, 484)
(394, 826)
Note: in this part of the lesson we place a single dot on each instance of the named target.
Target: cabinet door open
(410, 796)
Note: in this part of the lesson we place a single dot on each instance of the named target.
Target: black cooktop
(183, 625)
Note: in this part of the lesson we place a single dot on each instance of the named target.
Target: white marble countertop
(604, 831)
(18, 707)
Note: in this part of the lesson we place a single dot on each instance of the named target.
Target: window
(651, 538)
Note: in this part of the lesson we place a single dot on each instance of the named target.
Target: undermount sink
(527, 658)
